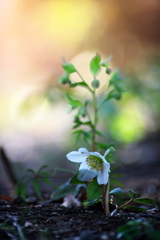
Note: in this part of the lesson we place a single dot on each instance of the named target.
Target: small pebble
(3, 202)
(104, 237)
(31, 200)
(54, 213)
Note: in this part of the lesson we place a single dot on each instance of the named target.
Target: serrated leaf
(94, 190)
(69, 68)
(134, 208)
(116, 191)
(37, 187)
(95, 65)
(132, 194)
(144, 201)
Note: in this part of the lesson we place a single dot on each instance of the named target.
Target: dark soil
(53, 221)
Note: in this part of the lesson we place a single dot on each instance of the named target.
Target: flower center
(95, 163)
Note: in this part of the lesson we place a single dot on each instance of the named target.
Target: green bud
(108, 70)
(95, 83)
(65, 80)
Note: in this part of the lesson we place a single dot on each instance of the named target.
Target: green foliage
(94, 190)
(145, 201)
(85, 118)
(116, 191)
(32, 178)
(135, 208)
(132, 194)
(69, 67)
(95, 65)
(74, 179)
(67, 188)
(92, 203)
(137, 229)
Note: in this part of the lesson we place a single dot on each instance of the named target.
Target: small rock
(3, 202)
(31, 199)
(104, 237)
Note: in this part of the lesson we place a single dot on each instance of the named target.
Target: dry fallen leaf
(71, 201)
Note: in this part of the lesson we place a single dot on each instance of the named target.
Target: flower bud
(95, 83)
(108, 70)
(64, 80)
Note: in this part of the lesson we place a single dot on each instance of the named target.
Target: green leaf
(47, 181)
(78, 134)
(45, 173)
(116, 182)
(94, 190)
(74, 103)
(82, 111)
(116, 191)
(114, 94)
(67, 188)
(74, 179)
(31, 171)
(41, 168)
(134, 208)
(116, 77)
(132, 194)
(37, 187)
(105, 63)
(95, 65)
(99, 133)
(69, 68)
(110, 149)
(81, 84)
(92, 203)
(145, 201)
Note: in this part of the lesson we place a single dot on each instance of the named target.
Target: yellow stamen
(95, 163)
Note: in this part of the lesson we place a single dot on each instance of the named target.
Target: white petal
(96, 154)
(104, 174)
(83, 150)
(84, 165)
(76, 156)
(86, 174)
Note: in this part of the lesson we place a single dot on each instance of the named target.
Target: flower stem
(105, 198)
(95, 117)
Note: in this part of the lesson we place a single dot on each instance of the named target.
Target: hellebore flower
(92, 164)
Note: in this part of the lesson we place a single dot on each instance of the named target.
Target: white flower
(92, 164)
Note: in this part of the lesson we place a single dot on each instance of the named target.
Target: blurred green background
(35, 127)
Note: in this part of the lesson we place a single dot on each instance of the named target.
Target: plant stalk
(105, 198)
(95, 117)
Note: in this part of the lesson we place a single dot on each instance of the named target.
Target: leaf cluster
(137, 229)
(32, 177)
(84, 123)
